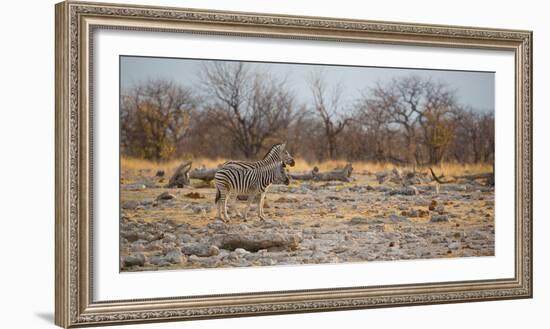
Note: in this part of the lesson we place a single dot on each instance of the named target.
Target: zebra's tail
(218, 195)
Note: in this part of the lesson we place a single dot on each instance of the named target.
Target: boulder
(136, 259)
(439, 218)
(260, 240)
(166, 196)
(200, 249)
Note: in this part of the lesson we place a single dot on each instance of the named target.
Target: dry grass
(448, 169)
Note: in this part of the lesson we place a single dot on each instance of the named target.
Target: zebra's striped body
(230, 181)
(277, 153)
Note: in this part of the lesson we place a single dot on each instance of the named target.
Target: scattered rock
(130, 236)
(396, 218)
(409, 190)
(134, 187)
(173, 256)
(200, 249)
(432, 205)
(241, 252)
(454, 246)
(200, 208)
(130, 204)
(439, 218)
(194, 195)
(357, 221)
(256, 241)
(160, 173)
(136, 259)
(166, 196)
(217, 225)
(423, 213)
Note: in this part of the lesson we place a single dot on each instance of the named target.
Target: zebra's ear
(283, 145)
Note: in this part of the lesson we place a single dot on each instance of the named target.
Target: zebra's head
(281, 175)
(278, 152)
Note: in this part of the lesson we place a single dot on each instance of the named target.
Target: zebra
(251, 182)
(277, 152)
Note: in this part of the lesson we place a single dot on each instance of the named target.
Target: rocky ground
(367, 219)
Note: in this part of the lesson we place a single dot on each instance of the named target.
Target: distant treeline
(236, 112)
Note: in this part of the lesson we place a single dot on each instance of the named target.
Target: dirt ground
(308, 222)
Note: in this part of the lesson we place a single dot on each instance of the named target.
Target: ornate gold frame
(75, 23)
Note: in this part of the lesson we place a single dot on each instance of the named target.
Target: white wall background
(27, 162)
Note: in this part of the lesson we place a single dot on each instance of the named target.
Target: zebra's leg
(233, 205)
(221, 194)
(228, 197)
(261, 206)
(248, 203)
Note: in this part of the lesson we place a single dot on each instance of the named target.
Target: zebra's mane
(271, 150)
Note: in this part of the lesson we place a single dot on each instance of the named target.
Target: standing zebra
(277, 152)
(251, 182)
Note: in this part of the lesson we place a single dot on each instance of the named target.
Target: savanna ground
(374, 217)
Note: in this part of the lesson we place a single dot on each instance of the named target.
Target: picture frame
(76, 23)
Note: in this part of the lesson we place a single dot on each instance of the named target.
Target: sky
(473, 89)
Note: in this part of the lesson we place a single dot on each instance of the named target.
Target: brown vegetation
(238, 113)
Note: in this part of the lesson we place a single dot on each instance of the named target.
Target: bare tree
(402, 100)
(251, 106)
(437, 120)
(377, 135)
(327, 106)
(155, 118)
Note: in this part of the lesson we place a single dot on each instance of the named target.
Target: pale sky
(474, 89)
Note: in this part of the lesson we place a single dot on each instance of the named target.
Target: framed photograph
(218, 164)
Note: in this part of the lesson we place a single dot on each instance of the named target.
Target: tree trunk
(180, 178)
(343, 174)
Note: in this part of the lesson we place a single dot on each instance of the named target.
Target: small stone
(134, 260)
(134, 187)
(397, 218)
(439, 218)
(339, 250)
(357, 221)
(131, 204)
(202, 250)
(454, 246)
(432, 205)
(241, 251)
(166, 196)
(213, 251)
(174, 256)
(194, 195)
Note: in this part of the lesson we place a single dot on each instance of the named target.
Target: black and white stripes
(234, 180)
(277, 153)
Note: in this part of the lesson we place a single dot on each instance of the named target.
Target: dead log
(204, 174)
(302, 176)
(343, 174)
(488, 177)
(180, 178)
(440, 178)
